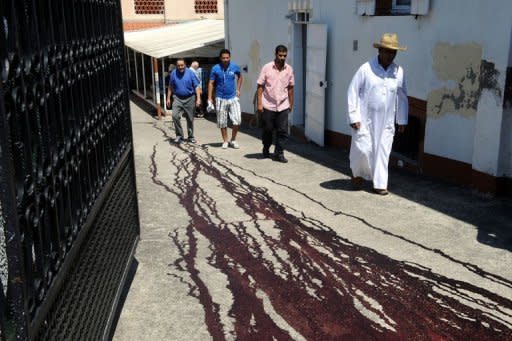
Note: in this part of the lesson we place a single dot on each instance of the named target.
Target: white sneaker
(234, 144)
(225, 145)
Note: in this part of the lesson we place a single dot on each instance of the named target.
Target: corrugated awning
(202, 38)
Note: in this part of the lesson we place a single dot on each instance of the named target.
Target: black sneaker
(281, 158)
(191, 140)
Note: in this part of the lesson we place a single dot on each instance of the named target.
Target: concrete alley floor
(233, 246)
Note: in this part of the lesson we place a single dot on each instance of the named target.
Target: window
(149, 6)
(401, 6)
(205, 6)
(393, 7)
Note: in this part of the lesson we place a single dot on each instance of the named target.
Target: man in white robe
(377, 99)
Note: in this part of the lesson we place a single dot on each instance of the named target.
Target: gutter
(226, 24)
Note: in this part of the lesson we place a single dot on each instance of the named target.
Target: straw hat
(389, 41)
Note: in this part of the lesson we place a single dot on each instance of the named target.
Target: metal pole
(165, 87)
(128, 62)
(156, 88)
(136, 73)
(143, 75)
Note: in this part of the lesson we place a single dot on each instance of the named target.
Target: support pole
(157, 88)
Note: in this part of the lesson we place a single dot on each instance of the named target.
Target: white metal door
(316, 83)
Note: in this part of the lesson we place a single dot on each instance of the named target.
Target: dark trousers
(275, 121)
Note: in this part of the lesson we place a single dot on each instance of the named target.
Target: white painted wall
(255, 29)
(470, 138)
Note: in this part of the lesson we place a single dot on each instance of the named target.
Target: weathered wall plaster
(489, 80)
(507, 94)
(463, 65)
(459, 63)
(255, 65)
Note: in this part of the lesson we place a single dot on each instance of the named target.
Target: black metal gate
(68, 205)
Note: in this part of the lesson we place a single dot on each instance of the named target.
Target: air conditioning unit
(299, 11)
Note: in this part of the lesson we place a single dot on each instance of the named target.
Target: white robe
(376, 98)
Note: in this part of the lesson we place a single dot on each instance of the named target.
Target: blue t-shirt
(225, 80)
(183, 84)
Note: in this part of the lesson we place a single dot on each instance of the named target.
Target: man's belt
(183, 97)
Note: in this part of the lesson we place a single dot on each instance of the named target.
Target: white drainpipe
(226, 24)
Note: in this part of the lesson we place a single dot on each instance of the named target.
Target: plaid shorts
(227, 107)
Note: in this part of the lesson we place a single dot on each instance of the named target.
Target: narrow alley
(238, 247)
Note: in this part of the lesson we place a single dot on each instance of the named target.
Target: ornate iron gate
(67, 183)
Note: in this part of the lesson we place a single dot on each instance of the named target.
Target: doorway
(309, 63)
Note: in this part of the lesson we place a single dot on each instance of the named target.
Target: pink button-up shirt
(275, 86)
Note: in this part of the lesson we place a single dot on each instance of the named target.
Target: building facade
(139, 14)
(458, 70)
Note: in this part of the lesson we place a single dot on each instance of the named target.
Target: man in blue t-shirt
(184, 89)
(227, 80)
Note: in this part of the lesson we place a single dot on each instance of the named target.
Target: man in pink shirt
(275, 101)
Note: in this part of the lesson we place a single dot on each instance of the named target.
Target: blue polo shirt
(183, 83)
(225, 80)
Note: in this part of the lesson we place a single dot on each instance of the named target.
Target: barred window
(149, 6)
(205, 6)
(388, 7)
(393, 7)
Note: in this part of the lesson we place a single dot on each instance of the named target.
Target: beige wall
(175, 10)
(128, 10)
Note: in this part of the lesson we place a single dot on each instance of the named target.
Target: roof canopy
(201, 38)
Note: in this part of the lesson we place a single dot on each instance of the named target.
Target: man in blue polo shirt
(227, 92)
(184, 91)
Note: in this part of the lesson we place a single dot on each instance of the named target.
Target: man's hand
(210, 108)
(198, 102)
(260, 107)
(356, 125)
(238, 93)
(168, 102)
(401, 128)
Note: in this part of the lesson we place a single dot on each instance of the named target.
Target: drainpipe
(226, 24)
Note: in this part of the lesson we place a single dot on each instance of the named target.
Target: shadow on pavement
(254, 156)
(492, 216)
(338, 184)
(213, 144)
(122, 299)
(144, 106)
